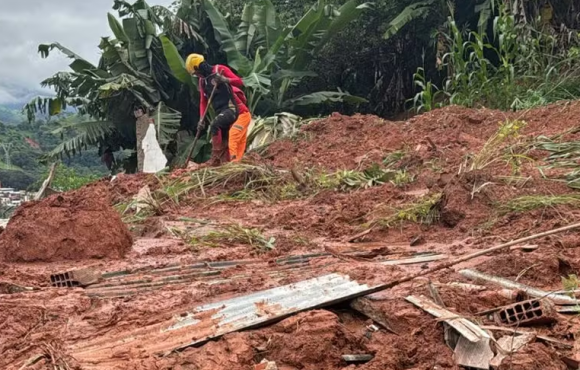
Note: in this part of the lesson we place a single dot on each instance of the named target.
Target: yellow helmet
(193, 61)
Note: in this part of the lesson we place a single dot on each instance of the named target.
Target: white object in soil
(154, 160)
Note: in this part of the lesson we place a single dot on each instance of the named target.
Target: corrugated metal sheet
(211, 321)
(266, 306)
(126, 283)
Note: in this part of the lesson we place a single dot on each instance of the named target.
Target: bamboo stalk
(465, 258)
(506, 283)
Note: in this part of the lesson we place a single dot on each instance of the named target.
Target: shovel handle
(199, 126)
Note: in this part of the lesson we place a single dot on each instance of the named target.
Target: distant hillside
(10, 115)
(26, 143)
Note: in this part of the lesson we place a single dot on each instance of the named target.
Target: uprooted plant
(235, 234)
(494, 149)
(532, 202)
(242, 182)
(562, 155)
(425, 211)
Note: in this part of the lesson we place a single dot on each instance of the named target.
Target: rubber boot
(218, 149)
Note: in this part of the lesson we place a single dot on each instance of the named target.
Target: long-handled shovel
(200, 127)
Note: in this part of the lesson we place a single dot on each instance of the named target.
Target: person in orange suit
(229, 129)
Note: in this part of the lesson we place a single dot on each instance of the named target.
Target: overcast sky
(76, 24)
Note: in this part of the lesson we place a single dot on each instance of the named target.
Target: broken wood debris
(466, 287)
(466, 328)
(573, 310)
(46, 184)
(414, 260)
(542, 338)
(508, 345)
(10, 288)
(525, 247)
(364, 306)
(506, 283)
(266, 365)
(451, 336)
(473, 355)
(468, 257)
(357, 359)
(473, 348)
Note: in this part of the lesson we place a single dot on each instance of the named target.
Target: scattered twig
(525, 271)
(471, 256)
(359, 235)
(543, 338)
(33, 360)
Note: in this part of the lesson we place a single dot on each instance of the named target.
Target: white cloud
(24, 24)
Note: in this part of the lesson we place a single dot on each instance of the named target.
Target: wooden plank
(508, 345)
(451, 336)
(365, 307)
(466, 328)
(414, 260)
(359, 359)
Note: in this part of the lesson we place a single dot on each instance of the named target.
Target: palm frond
(414, 11)
(90, 134)
(323, 97)
(167, 123)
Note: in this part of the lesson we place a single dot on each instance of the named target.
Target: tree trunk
(141, 129)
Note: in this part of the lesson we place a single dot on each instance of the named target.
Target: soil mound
(70, 226)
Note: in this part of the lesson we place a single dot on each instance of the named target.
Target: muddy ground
(115, 323)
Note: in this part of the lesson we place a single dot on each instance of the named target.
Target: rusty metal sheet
(260, 308)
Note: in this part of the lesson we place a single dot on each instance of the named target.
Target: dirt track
(116, 324)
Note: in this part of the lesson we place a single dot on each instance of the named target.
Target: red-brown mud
(434, 148)
(71, 226)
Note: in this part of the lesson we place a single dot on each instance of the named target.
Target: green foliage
(145, 67)
(372, 176)
(272, 58)
(492, 150)
(571, 284)
(264, 131)
(236, 234)
(562, 155)
(428, 98)
(416, 10)
(424, 211)
(66, 178)
(532, 202)
(30, 143)
(519, 67)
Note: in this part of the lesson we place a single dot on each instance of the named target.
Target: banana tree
(132, 71)
(263, 131)
(272, 58)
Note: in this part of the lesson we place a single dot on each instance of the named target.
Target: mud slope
(293, 227)
(72, 226)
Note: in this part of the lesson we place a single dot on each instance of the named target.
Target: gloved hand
(221, 79)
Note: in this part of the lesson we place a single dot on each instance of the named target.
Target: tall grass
(519, 66)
